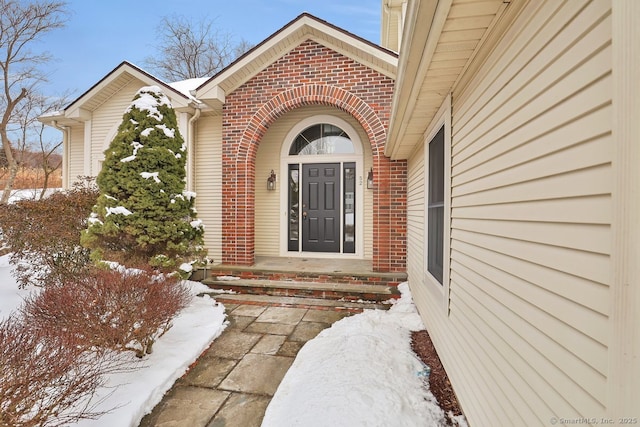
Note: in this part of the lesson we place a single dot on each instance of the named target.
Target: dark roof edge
(289, 24)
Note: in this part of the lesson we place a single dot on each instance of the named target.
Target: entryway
(323, 198)
(306, 282)
(321, 206)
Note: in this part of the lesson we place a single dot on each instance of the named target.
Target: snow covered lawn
(134, 394)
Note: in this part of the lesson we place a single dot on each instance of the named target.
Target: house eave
(305, 27)
(82, 107)
(441, 39)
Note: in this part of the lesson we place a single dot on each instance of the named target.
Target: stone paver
(325, 316)
(270, 328)
(282, 315)
(191, 406)
(232, 382)
(257, 373)
(239, 322)
(234, 344)
(241, 410)
(306, 331)
(269, 344)
(248, 310)
(209, 371)
(290, 348)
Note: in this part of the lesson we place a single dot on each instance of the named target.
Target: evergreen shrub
(143, 214)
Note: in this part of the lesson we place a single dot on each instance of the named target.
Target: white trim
(294, 33)
(624, 347)
(442, 118)
(87, 168)
(357, 158)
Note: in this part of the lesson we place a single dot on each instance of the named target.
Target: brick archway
(239, 158)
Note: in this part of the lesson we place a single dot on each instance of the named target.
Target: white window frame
(442, 118)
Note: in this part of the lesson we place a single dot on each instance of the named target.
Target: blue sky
(102, 33)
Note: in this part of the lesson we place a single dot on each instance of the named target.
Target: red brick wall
(310, 74)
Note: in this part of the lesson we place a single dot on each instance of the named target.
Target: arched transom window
(322, 138)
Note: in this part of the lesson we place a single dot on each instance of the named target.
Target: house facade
(495, 159)
(519, 123)
(285, 145)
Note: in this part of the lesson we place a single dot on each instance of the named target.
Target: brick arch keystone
(239, 169)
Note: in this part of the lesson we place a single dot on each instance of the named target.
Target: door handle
(304, 215)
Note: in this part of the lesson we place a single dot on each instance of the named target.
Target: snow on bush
(143, 178)
(112, 309)
(44, 235)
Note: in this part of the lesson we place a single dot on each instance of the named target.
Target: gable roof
(304, 27)
(80, 109)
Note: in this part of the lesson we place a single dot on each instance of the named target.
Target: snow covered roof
(186, 87)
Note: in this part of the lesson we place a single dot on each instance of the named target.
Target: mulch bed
(438, 380)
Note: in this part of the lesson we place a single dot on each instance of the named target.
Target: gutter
(191, 180)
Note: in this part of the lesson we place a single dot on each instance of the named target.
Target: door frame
(357, 158)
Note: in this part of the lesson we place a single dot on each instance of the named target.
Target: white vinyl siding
(267, 218)
(531, 183)
(76, 154)
(207, 157)
(105, 121)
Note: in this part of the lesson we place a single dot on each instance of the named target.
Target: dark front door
(321, 207)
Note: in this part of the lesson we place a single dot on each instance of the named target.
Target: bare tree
(37, 142)
(188, 50)
(22, 23)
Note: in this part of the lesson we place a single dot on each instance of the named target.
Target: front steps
(332, 285)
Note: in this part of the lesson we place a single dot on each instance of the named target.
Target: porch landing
(305, 282)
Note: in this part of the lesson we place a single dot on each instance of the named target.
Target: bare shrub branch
(44, 236)
(47, 379)
(118, 310)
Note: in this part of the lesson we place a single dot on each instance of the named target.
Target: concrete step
(297, 302)
(295, 273)
(328, 290)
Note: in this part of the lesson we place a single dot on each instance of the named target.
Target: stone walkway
(233, 381)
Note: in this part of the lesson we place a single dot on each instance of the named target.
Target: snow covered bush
(47, 379)
(110, 309)
(44, 235)
(143, 214)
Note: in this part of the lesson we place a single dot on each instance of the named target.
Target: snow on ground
(137, 392)
(140, 390)
(29, 194)
(10, 295)
(359, 372)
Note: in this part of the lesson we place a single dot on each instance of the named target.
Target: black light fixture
(370, 179)
(271, 181)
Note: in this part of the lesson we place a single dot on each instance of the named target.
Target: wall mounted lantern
(370, 179)
(271, 181)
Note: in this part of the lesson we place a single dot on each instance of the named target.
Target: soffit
(442, 37)
(305, 27)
